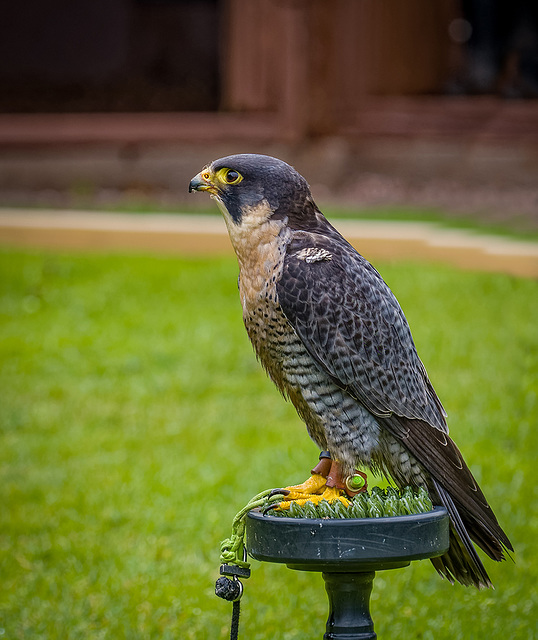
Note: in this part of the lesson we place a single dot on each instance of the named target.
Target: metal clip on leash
(230, 588)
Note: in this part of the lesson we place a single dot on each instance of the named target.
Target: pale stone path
(205, 234)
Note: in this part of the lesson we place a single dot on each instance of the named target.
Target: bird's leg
(314, 486)
(325, 483)
(351, 484)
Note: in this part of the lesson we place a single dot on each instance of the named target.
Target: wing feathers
(441, 457)
(355, 329)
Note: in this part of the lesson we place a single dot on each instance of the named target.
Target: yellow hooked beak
(202, 182)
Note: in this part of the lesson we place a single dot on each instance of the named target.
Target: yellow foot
(315, 485)
(313, 490)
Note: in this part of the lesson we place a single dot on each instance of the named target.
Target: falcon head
(247, 185)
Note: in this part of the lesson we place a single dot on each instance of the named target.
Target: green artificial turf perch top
(378, 503)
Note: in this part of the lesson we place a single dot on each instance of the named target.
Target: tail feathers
(493, 546)
(471, 516)
(457, 565)
(446, 465)
(461, 562)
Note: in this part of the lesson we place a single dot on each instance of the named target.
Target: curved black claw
(269, 507)
(274, 503)
(279, 492)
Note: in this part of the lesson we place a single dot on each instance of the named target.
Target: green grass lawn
(135, 422)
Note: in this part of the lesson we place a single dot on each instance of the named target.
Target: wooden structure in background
(296, 70)
(316, 63)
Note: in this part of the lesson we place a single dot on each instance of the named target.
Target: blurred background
(378, 102)
(135, 421)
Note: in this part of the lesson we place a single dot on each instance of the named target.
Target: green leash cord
(232, 550)
(233, 557)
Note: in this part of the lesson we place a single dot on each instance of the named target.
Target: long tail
(453, 485)
(461, 562)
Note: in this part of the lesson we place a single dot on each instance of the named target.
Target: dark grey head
(242, 182)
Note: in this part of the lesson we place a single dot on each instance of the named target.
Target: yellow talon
(314, 485)
(313, 490)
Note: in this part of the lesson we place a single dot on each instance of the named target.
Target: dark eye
(232, 176)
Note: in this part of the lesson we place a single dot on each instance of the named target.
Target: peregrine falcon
(333, 338)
